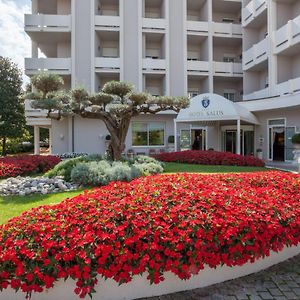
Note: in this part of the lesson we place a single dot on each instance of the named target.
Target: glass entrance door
(198, 139)
(230, 141)
(277, 143)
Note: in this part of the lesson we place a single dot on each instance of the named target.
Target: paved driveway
(281, 282)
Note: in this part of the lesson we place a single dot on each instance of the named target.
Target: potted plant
(259, 153)
(296, 140)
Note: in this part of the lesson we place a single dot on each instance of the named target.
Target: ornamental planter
(139, 287)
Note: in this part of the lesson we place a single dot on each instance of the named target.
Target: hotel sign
(206, 112)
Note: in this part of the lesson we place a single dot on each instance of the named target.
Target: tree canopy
(116, 104)
(12, 119)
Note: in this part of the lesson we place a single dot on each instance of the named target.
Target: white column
(36, 140)
(175, 135)
(34, 7)
(50, 140)
(238, 137)
(34, 50)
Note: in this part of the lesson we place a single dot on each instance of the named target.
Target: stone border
(139, 287)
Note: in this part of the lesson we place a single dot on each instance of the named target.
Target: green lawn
(179, 168)
(15, 205)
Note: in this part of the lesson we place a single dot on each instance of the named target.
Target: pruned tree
(12, 118)
(115, 105)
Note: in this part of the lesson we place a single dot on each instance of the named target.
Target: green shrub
(123, 172)
(93, 170)
(296, 138)
(142, 159)
(91, 173)
(149, 168)
(64, 168)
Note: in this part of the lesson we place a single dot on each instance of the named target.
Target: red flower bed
(12, 166)
(210, 158)
(154, 224)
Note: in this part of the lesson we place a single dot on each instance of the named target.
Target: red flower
(155, 224)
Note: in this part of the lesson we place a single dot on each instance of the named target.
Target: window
(229, 96)
(148, 134)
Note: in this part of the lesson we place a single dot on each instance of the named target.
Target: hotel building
(239, 61)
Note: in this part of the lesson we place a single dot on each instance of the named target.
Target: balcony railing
(264, 93)
(253, 10)
(61, 23)
(228, 69)
(288, 87)
(256, 54)
(233, 30)
(288, 35)
(198, 66)
(108, 63)
(158, 24)
(36, 116)
(154, 64)
(61, 66)
(107, 21)
(195, 26)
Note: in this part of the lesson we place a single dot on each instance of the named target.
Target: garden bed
(210, 158)
(12, 166)
(177, 224)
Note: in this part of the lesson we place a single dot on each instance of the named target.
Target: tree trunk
(4, 146)
(117, 152)
(118, 137)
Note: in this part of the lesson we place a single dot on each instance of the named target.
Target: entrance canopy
(213, 107)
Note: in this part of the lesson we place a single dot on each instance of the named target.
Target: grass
(13, 206)
(190, 168)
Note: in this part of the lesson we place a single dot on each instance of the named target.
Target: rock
(40, 185)
(34, 183)
(44, 192)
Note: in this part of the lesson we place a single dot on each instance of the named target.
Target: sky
(14, 43)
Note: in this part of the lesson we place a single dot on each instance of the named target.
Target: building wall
(60, 134)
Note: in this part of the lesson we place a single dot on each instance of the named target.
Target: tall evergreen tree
(12, 119)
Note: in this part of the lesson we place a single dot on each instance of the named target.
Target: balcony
(288, 35)
(150, 64)
(36, 116)
(288, 87)
(111, 64)
(199, 67)
(47, 23)
(253, 10)
(256, 54)
(107, 22)
(228, 69)
(197, 27)
(257, 95)
(60, 66)
(228, 30)
(156, 24)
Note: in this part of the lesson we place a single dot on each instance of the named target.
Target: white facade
(241, 50)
